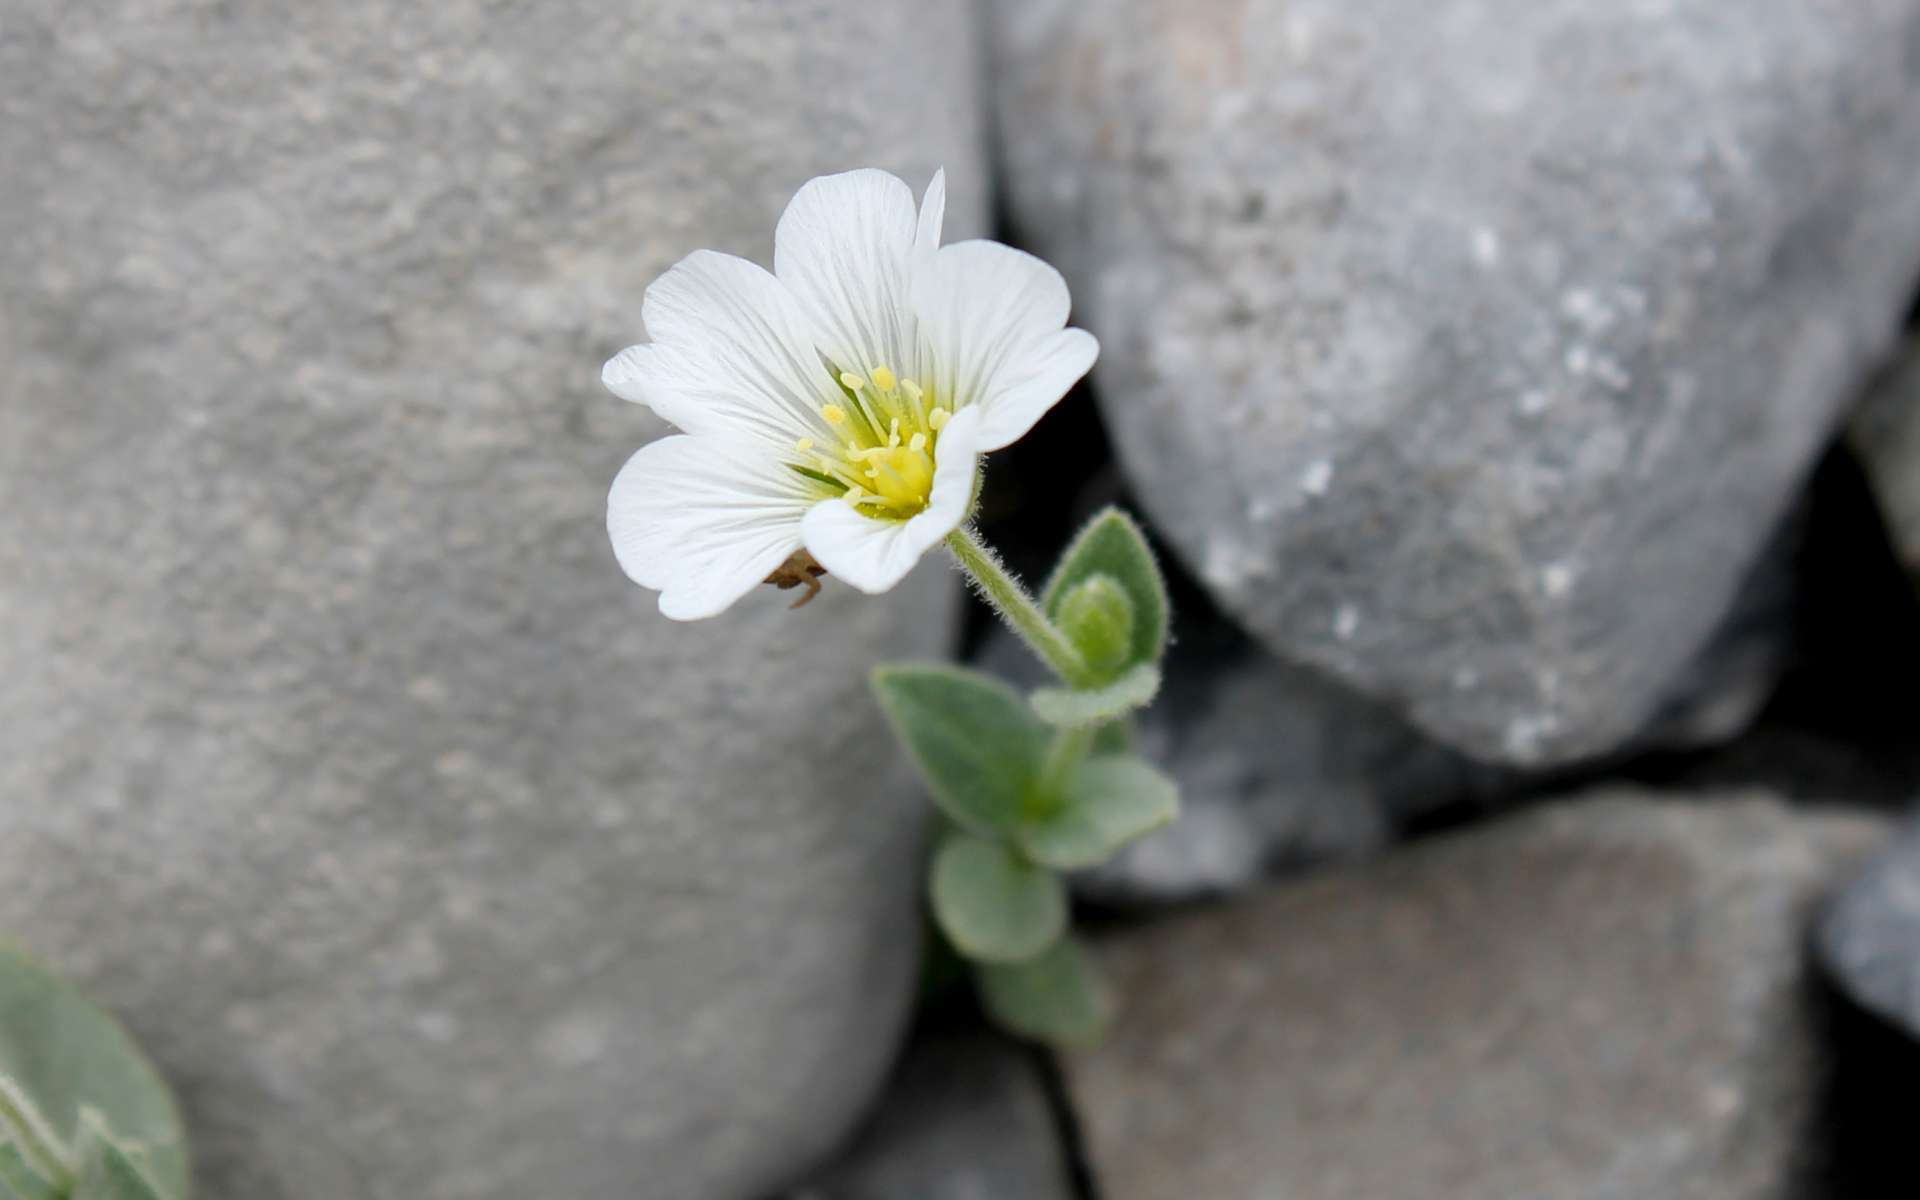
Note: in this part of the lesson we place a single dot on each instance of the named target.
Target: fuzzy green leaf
(18, 1181)
(1069, 709)
(1057, 998)
(976, 743)
(108, 1171)
(65, 1054)
(1112, 800)
(1112, 545)
(993, 906)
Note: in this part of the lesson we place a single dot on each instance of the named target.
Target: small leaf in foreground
(993, 906)
(1057, 998)
(976, 744)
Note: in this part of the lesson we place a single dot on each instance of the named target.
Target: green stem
(38, 1144)
(1003, 592)
(1064, 756)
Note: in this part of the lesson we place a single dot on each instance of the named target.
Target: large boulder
(1473, 350)
(336, 753)
(1599, 1000)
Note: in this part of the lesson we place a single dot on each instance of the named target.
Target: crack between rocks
(1066, 1125)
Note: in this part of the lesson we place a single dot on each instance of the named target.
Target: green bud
(1097, 616)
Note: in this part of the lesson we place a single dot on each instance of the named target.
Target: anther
(918, 443)
(834, 414)
(806, 444)
(883, 379)
(854, 382)
(938, 418)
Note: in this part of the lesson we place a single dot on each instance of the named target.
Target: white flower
(839, 404)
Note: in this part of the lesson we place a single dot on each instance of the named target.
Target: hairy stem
(1004, 594)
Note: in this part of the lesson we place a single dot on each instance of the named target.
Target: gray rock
(1720, 693)
(1885, 434)
(1602, 1000)
(965, 1117)
(1473, 350)
(1870, 935)
(336, 754)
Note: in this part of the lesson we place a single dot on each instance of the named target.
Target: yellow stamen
(883, 379)
(834, 414)
(938, 418)
(803, 445)
(854, 382)
(918, 443)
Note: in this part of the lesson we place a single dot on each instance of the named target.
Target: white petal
(933, 215)
(843, 248)
(730, 353)
(703, 519)
(994, 319)
(872, 554)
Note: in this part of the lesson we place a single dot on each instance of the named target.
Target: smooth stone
(1870, 935)
(1603, 999)
(336, 754)
(1473, 351)
(965, 1117)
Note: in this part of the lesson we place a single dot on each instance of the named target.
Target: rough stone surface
(1473, 350)
(335, 752)
(1870, 935)
(1885, 434)
(1278, 767)
(965, 1117)
(1601, 1000)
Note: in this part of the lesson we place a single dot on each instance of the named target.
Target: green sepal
(68, 1056)
(108, 1170)
(1058, 998)
(1069, 709)
(1112, 545)
(973, 739)
(993, 905)
(18, 1181)
(1096, 615)
(1112, 800)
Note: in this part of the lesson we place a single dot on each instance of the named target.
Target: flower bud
(1096, 614)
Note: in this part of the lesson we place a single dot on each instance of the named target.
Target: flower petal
(994, 319)
(730, 353)
(933, 215)
(703, 519)
(843, 248)
(873, 554)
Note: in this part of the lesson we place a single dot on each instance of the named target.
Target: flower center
(884, 440)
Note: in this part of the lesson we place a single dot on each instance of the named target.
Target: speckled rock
(1870, 935)
(1885, 434)
(1473, 350)
(965, 1117)
(336, 753)
(1601, 1000)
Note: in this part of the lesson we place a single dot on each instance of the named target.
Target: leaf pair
(83, 1115)
(982, 752)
